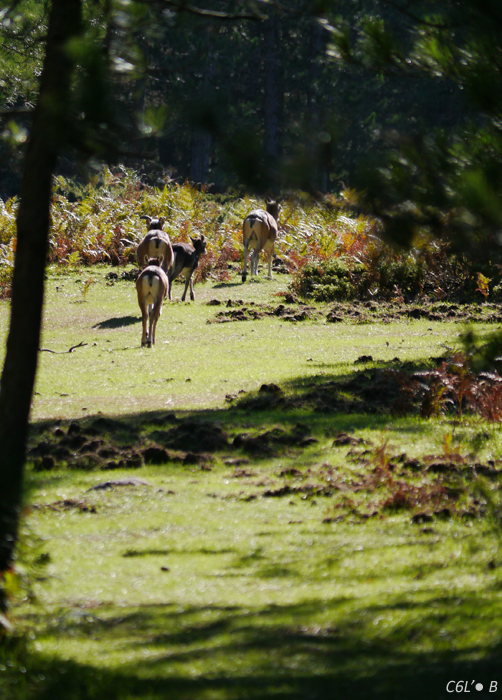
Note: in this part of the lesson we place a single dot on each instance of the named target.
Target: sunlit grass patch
(292, 539)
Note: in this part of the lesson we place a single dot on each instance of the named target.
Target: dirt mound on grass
(254, 311)
(446, 385)
(391, 311)
(109, 444)
(272, 442)
(193, 436)
(294, 310)
(372, 390)
(385, 483)
(190, 442)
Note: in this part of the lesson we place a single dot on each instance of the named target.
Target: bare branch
(18, 112)
(182, 6)
(63, 352)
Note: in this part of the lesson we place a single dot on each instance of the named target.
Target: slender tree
(202, 137)
(50, 122)
(272, 99)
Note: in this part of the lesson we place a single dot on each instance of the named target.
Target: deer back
(152, 279)
(262, 223)
(154, 244)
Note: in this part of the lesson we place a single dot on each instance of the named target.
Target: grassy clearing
(217, 359)
(309, 550)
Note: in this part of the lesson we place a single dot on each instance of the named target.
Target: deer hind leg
(155, 311)
(253, 263)
(251, 241)
(144, 335)
(244, 269)
(188, 283)
(150, 309)
(270, 252)
(255, 258)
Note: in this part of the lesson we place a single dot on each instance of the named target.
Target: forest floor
(254, 508)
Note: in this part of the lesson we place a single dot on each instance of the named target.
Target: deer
(156, 243)
(259, 231)
(186, 261)
(152, 286)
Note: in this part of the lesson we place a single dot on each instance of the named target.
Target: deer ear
(148, 219)
(202, 237)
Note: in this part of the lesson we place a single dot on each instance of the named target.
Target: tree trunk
(271, 111)
(201, 137)
(50, 123)
(201, 153)
(321, 149)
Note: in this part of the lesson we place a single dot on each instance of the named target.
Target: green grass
(194, 364)
(204, 582)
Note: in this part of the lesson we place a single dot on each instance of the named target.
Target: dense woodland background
(262, 103)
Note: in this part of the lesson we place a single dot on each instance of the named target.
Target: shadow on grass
(165, 552)
(408, 645)
(227, 285)
(117, 322)
(279, 652)
(268, 422)
(372, 391)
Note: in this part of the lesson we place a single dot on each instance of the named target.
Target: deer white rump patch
(151, 286)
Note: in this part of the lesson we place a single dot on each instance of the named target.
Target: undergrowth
(454, 388)
(332, 256)
(379, 273)
(100, 223)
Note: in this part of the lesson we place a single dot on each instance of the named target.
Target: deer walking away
(186, 261)
(152, 286)
(259, 232)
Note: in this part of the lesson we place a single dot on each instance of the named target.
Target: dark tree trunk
(201, 154)
(201, 137)
(50, 123)
(320, 148)
(314, 70)
(271, 110)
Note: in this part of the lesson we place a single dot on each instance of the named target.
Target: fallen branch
(63, 352)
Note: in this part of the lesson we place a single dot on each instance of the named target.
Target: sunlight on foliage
(100, 223)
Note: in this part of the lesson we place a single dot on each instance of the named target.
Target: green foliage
(404, 274)
(28, 568)
(22, 28)
(170, 85)
(100, 223)
(382, 276)
(332, 280)
(22, 25)
(7, 244)
(426, 272)
(445, 181)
